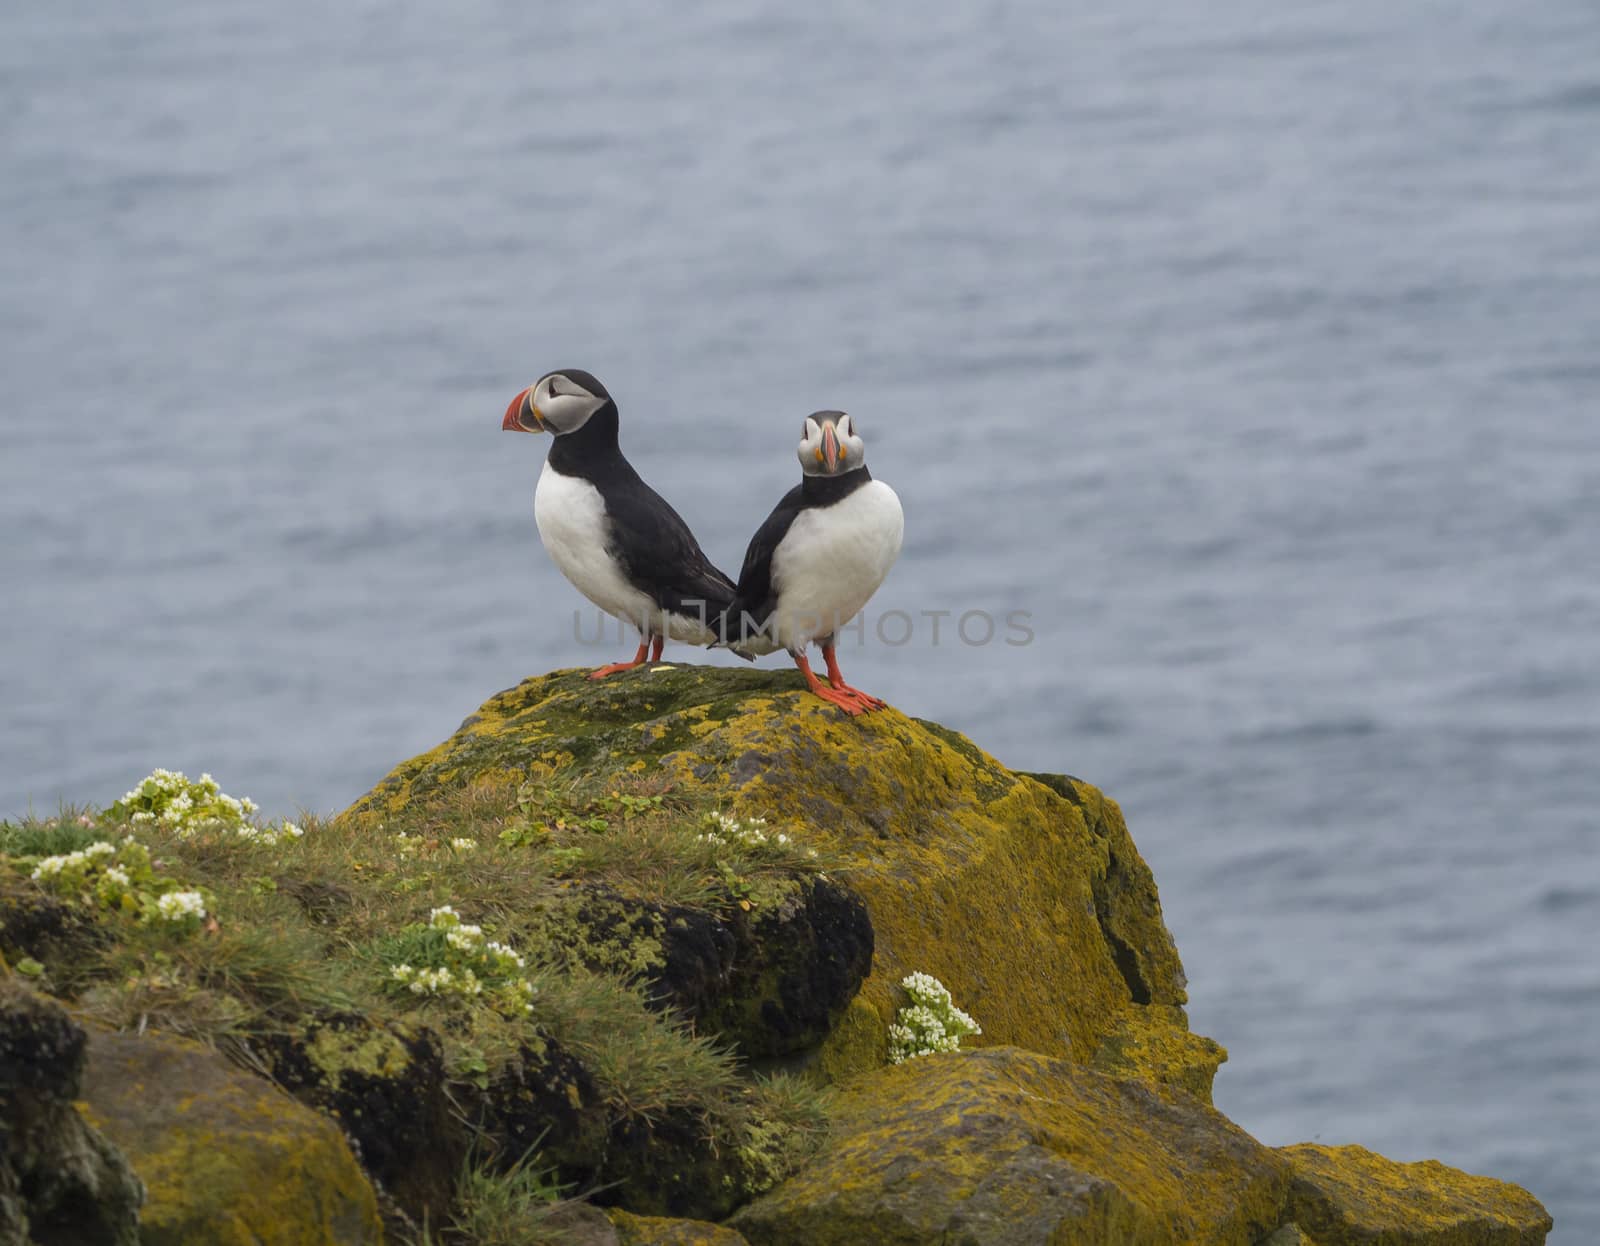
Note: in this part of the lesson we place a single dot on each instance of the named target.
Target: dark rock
(386, 1087)
(546, 1098)
(769, 982)
(61, 1182)
(41, 926)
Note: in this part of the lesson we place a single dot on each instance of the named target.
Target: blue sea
(1251, 350)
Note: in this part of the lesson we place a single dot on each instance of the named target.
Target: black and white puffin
(818, 557)
(611, 534)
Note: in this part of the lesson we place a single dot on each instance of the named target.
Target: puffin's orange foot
(638, 660)
(602, 672)
(847, 701)
(867, 701)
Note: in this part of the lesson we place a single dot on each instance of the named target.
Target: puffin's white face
(556, 403)
(829, 445)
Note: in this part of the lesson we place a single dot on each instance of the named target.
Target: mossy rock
(37, 925)
(1004, 1147)
(546, 1099)
(664, 1231)
(671, 1164)
(61, 1180)
(769, 982)
(386, 1086)
(1342, 1196)
(1154, 1043)
(228, 1159)
(1024, 894)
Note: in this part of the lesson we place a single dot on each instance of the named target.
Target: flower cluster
(413, 846)
(931, 1023)
(726, 832)
(458, 960)
(465, 938)
(68, 871)
(120, 878)
(747, 833)
(171, 800)
(179, 907)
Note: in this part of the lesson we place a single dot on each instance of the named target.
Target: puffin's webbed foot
(613, 668)
(867, 701)
(847, 699)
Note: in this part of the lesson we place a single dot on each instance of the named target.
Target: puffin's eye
(550, 388)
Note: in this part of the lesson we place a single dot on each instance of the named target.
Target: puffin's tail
(727, 629)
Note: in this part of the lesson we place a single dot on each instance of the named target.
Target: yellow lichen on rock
(1007, 1147)
(1155, 1044)
(1023, 894)
(1345, 1195)
(226, 1157)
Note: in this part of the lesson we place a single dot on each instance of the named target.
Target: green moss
(603, 932)
(338, 1052)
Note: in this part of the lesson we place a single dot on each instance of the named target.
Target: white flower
(119, 876)
(504, 953)
(462, 844)
(179, 906)
(292, 830)
(444, 917)
(82, 859)
(931, 1023)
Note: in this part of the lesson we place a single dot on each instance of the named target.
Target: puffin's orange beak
(513, 421)
(830, 447)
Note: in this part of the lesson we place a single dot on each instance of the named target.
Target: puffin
(613, 536)
(819, 556)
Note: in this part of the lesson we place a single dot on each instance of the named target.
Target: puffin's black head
(558, 402)
(829, 445)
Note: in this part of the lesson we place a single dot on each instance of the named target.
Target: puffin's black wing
(756, 595)
(659, 554)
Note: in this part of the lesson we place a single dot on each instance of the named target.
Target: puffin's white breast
(831, 561)
(571, 515)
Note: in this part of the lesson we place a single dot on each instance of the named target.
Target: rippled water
(1253, 349)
